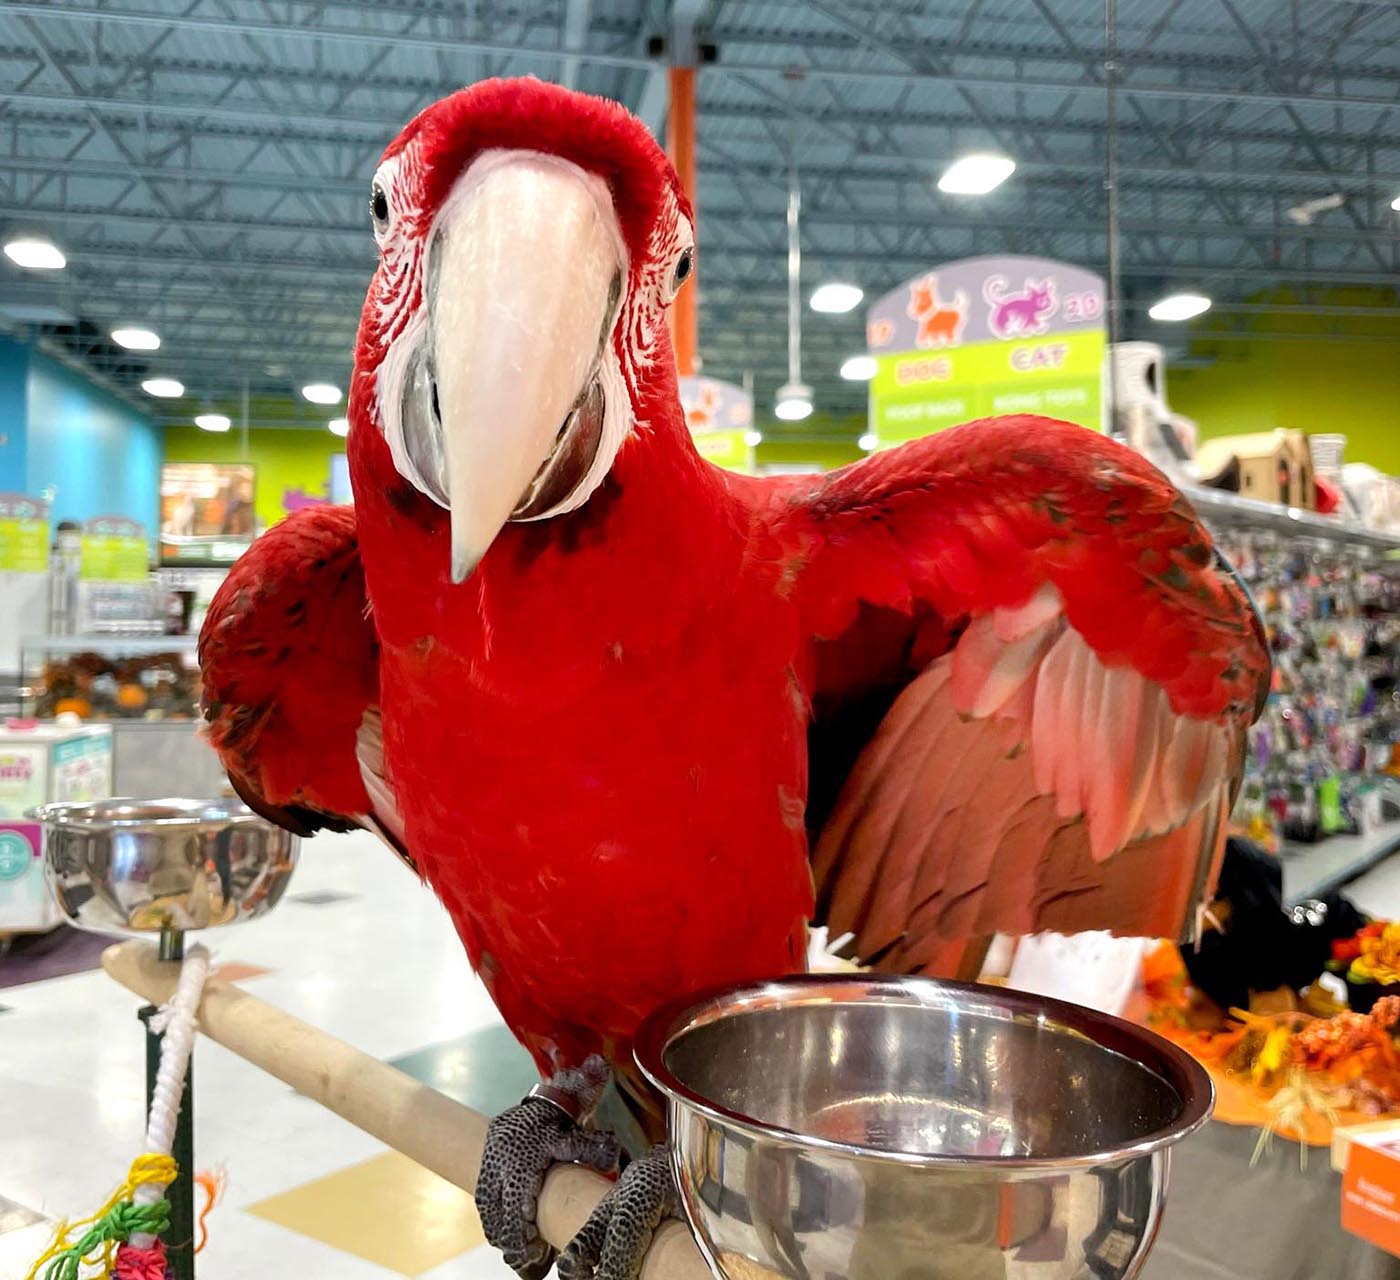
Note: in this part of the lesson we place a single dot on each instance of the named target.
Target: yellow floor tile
(389, 1211)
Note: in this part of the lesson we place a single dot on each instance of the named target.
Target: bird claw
(618, 1233)
(521, 1146)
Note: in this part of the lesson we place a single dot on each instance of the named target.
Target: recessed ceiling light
(858, 368)
(165, 388)
(868, 441)
(339, 426)
(835, 297)
(1179, 306)
(753, 438)
(1395, 204)
(34, 253)
(794, 402)
(975, 175)
(321, 392)
(213, 421)
(137, 339)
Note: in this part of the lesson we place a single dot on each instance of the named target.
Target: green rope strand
(116, 1227)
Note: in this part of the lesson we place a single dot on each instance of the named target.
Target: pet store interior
(403, 870)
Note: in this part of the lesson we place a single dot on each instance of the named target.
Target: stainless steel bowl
(858, 1127)
(144, 866)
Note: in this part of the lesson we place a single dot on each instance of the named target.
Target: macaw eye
(379, 207)
(684, 266)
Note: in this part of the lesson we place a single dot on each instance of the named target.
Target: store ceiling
(204, 163)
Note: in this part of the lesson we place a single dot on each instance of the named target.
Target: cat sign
(987, 336)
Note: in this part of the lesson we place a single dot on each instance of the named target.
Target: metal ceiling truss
(203, 162)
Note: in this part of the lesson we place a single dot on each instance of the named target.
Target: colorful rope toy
(122, 1239)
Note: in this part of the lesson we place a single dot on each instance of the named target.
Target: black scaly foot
(618, 1233)
(521, 1145)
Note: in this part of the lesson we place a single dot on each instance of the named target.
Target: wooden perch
(440, 1134)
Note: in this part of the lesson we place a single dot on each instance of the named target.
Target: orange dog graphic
(940, 323)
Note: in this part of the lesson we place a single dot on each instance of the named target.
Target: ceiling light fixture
(213, 421)
(794, 402)
(858, 368)
(1395, 204)
(321, 393)
(164, 388)
(136, 339)
(1179, 306)
(868, 441)
(339, 426)
(34, 253)
(835, 298)
(976, 175)
(753, 439)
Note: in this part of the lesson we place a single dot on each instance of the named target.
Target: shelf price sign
(24, 534)
(987, 336)
(113, 549)
(720, 417)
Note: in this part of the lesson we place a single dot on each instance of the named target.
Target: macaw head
(530, 241)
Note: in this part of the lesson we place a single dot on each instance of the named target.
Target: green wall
(828, 454)
(284, 459)
(1317, 373)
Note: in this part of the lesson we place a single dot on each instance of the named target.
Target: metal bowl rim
(61, 815)
(1172, 1065)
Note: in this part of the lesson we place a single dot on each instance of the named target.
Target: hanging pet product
(130, 868)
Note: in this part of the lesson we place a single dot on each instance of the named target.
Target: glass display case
(146, 688)
(110, 677)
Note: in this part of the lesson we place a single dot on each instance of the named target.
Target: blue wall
(99, 455)
(14, 415)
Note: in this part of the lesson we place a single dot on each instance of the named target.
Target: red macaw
(638, 720)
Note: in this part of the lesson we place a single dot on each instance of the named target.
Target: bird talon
(521, 1146)
(613, 1242)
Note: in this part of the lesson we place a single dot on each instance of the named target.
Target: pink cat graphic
(1020, 315)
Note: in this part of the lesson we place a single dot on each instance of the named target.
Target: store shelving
(1315, 870)
(1217, 506)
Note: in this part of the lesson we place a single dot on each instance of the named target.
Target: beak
(525, 268)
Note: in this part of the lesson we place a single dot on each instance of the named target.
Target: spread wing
(1031, 681)
(289, 664)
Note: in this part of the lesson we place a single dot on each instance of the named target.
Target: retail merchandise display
(93, 685)
(1325, 756)
(39, 763)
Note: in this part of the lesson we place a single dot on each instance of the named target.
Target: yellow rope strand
(144, 1169)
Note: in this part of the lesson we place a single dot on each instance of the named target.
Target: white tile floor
(384, 972)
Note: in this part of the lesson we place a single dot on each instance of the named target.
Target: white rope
(176, 1020)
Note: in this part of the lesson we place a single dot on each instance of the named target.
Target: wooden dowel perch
(440, 1134)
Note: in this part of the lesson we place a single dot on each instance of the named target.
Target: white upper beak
(525, 266)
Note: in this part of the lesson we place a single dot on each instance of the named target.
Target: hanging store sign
(24, 534)
(720, 417)
(113, 549)
(987, 336)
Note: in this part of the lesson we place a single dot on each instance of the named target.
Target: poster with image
(720, 417)
(987, 336)
(206, 511)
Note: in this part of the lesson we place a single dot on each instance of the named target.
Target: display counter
(146, 688)
(1273, 1220)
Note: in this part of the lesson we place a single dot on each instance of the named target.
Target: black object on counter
(1264, 946)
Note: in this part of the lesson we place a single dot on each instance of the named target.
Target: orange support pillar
(680, 143)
